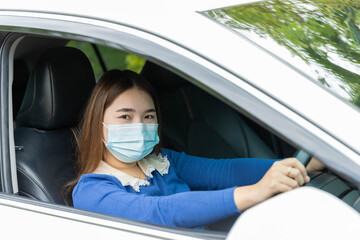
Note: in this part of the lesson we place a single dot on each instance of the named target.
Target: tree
(323, 33)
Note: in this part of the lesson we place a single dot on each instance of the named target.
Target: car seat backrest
(21, 78)
(198, 123)
(173, 104)
(58, 89)
(225, 133)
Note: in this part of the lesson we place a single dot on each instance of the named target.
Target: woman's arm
(187, 209)
(259, 179)
(208, 174)
(105, 194)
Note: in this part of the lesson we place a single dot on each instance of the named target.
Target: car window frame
(7, 160)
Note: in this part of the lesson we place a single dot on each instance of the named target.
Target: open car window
(194, 121)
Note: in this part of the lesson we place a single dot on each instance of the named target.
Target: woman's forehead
(133, 98)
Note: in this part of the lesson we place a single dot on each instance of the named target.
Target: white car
(269, 79)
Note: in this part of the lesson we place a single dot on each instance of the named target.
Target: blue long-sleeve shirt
(170, 199)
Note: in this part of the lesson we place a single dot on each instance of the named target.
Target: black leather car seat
(199, 124)
(58, 89)
(21, 78)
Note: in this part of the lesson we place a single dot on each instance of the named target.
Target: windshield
(319, 37)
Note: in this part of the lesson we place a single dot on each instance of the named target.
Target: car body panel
(54, 221)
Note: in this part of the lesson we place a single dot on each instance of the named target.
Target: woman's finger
(295, 174)
(293, 162)
(290, 182)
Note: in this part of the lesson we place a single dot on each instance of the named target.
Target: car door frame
(7, 146)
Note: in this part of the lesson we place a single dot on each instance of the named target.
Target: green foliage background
(311, 30)
(113, 58)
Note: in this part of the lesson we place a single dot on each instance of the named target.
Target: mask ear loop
(108, 133)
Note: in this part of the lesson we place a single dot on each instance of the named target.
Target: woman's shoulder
(96, 179)
(94, 185)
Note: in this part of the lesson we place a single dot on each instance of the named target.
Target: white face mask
(131, 142)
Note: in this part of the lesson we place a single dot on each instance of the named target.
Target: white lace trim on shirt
(148, 164)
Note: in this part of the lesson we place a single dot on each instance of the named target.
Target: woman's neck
(132, 169)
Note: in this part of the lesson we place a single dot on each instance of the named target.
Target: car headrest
(58, 89)
(161, 78)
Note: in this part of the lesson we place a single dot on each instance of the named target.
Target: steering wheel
(303, 157)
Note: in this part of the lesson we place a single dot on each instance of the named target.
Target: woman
(123, 172)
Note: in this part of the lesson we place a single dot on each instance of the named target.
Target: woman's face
(131, 106)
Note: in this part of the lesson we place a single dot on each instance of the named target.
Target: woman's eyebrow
(150, 110)
(133, 110)
(125, 110)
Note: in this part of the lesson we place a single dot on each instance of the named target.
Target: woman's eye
(149, 116)
(125, 117)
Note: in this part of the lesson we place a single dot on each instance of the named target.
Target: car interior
(51, 86)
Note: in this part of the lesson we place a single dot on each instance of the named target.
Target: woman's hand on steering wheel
(283, 176)
(312, 164)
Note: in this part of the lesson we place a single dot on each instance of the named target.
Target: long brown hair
(91, 148)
